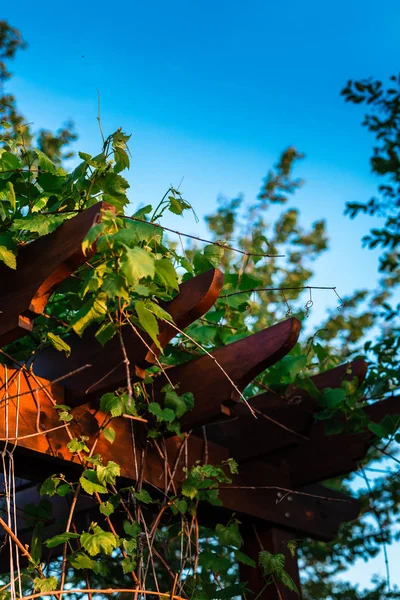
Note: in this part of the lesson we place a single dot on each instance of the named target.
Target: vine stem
(279, 489)
(103, 591)
(14, 538)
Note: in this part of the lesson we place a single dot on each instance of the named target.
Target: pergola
(283, 454)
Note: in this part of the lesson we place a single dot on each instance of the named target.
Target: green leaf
(289, 583)
(148, 321)
(378, 429)
(8, 257)
(166, 273)
(179, 506)
(214, 254)
(65, 416)
(81, 561)
(44, 161)
(136, 264)
(113, 404)
(105, 332)
(143, 496)
(36, 543)
(189, 490)
(163, 415)
(10, 195)
(121, 160)
(109, 434)
(292, 547)
(229, 536)
(332, 398)
(98, 541)
(136, 233)
(115, 187)
(230, 591)
(106, 508)
(35, 223)
(128, 565)
(91, 484)
(114, 286)
(8, 163)
(179, 404)
(93, 310)
(305, 383)
(49, 486)
(333, 427)
(63, 489)
(59, 343)
(42, 584)
(109, 472)
(76, 445)
(61, 538)
(271, 564)
(132, 529)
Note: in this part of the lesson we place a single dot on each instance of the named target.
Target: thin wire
(199, 239)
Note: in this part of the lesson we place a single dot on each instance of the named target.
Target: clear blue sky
(213, 91)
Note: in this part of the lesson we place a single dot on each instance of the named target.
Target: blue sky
(213, 91)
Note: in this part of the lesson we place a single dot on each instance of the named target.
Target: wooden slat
(242, 361)
(107, 370)
(42, 266)
(295, 412)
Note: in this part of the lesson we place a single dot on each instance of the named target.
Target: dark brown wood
(258, 537)
(325, 456)
(107, 370)
(42, 266)
(241, 361)
(287, 420)
(266, 491)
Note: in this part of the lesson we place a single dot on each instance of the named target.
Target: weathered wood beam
(240, 363)
(42, 266)
(108, 371)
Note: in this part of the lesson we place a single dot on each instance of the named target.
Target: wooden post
(264, 537)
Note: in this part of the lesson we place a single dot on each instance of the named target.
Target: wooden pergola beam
(43, 454)
(107, 370)
(210, 378)
(281, 422)
(42, 266)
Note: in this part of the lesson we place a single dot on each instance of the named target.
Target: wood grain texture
(41, 266)
(107, 371)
